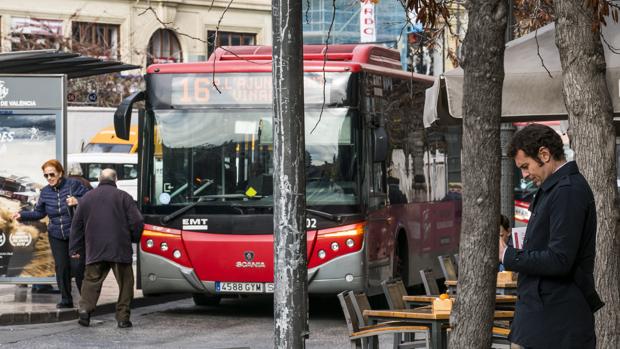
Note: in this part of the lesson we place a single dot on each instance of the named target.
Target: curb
(40, 317)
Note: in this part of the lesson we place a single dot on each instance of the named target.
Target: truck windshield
(227, 154)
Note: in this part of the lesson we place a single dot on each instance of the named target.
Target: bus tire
(206, 300)
(400, 268)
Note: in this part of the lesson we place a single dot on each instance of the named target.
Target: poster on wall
(31, 132)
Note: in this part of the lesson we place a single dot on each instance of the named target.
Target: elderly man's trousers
(95, 274)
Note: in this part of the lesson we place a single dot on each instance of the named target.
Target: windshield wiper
(203, 198)
(326, 215)
(184, 209)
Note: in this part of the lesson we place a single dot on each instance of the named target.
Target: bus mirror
(379, 145)
(122, 116)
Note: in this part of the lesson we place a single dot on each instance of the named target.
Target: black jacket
(551, 310)
(105, 223)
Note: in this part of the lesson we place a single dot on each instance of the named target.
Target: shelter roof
(58, 62)
(532, 88)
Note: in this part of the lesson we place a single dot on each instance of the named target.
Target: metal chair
(358, 302)
(394, 290)
(430, 284)
(448, 267)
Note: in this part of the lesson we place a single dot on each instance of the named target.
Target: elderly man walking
(105, 224)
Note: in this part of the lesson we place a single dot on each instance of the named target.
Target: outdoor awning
(58, 62)
(529, 93)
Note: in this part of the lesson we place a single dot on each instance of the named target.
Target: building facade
(136, 32)
(390, 19)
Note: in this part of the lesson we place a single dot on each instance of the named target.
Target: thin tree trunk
(472, 318)
(590, 114)
(289, 199)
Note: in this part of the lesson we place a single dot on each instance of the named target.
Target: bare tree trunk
(590, 114)
(289, 199)
(472, 318)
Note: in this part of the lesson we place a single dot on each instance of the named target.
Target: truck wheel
(207, 300)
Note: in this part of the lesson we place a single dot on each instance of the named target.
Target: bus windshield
(226, 155)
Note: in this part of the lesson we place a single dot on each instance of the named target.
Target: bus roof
(340, 58)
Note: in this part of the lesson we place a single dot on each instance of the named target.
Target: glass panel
(229, 152)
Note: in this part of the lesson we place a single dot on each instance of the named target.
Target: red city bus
(383, 193)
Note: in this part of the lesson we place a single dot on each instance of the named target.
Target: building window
(96, 39)
(164, 47)
(35, 34)
(229, 39)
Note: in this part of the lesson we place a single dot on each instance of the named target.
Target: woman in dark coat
(57, 201)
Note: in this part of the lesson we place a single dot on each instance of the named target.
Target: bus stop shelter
(532, 88)
(33, 115)
(72, 64)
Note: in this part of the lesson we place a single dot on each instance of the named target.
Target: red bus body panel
(215, 256)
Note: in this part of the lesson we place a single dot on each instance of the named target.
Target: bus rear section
(382, 193)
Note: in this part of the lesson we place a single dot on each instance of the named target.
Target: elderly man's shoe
(124, 324)
(84, 318)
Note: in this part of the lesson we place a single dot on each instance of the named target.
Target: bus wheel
(400, 268)
(203, 299)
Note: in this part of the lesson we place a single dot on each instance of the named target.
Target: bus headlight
(335, 247)
(350, 243)
(322, 254)
(164, 246)
(150, 243)
(176, 254)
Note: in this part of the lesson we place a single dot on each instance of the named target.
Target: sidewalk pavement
(19, 306)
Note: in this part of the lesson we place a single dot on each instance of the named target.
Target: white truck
(125, 164)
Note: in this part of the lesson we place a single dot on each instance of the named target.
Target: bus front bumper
(161, 275)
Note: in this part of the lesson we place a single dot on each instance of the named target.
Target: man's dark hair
(504, 222)
(534, 136)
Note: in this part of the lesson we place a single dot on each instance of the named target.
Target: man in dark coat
(106, 223)
(556, 296)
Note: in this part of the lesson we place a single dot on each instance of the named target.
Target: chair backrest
(448, 267)
(394, 291)
(456, 262)
(349, 313)
(359, 300)
(430, 284)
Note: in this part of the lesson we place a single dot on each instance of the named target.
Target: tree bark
(289, 199)
(483, 51)
(590, 116)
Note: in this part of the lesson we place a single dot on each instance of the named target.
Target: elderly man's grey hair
(107, 174)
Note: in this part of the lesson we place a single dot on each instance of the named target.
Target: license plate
(239, 287)
(243, 287)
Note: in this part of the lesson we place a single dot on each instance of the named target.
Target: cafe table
(417, 301)
(502, 287)
(437, 321)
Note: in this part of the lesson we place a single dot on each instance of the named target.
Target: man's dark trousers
(94, 276)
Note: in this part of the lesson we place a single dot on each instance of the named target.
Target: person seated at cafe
(504, 233)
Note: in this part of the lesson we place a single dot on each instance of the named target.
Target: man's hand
(75, 256)
(502, 249)
(16, 216)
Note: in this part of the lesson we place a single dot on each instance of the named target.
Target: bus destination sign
(239, 89)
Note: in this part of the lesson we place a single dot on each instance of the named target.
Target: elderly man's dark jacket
(552, 311)
(106, 222)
